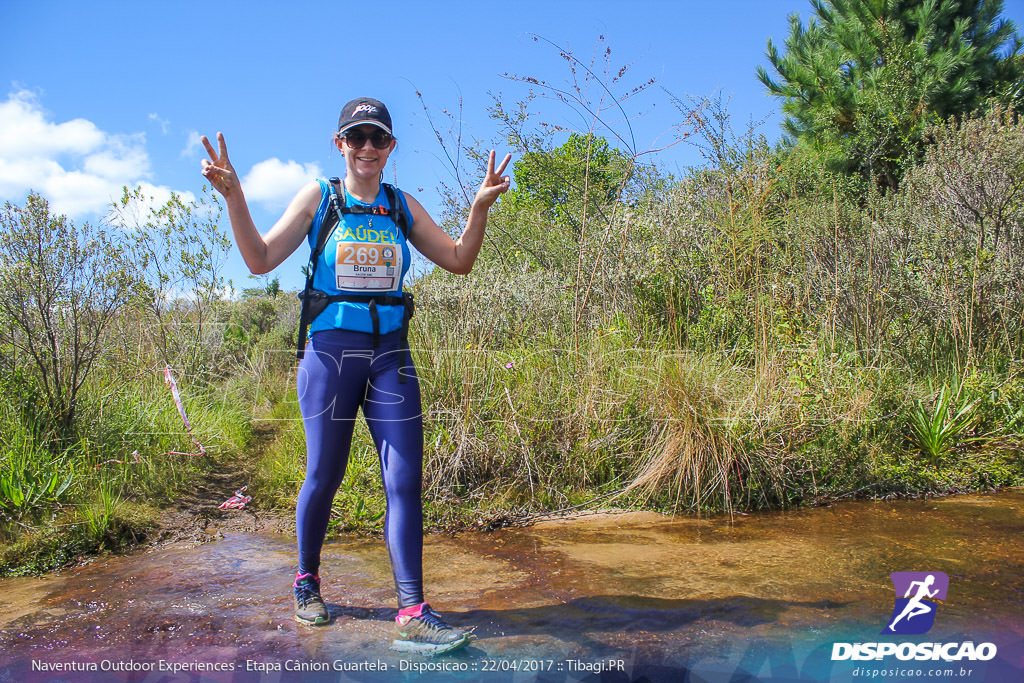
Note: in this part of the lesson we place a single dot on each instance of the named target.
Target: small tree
(964, 227)
(864, 78)
(179, 251)
(63, 286)
(583, 170)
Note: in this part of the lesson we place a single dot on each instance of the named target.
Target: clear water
(641, 596)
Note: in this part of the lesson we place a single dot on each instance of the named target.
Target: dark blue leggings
(339, 372)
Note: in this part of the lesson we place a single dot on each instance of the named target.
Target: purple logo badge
(917, 597)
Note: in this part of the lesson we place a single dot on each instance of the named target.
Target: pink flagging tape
(237, 501)
(135, 459)
(169, 379)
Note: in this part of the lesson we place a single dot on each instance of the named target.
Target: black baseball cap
(364, 110)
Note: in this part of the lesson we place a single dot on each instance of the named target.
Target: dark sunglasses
(379, 138)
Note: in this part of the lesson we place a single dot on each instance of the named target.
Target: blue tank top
(366, 254)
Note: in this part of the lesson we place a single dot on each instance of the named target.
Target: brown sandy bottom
(602, 597)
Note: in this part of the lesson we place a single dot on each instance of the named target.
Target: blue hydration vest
(357, 264)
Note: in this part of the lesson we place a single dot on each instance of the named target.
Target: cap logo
(368, 108)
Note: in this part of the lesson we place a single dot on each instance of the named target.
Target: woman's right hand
(218, 169)
(262, 253)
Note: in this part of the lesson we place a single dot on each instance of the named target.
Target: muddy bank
(610, 597)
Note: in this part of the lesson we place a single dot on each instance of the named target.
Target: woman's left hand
(494, 183)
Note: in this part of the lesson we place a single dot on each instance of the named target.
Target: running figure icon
(916, 606)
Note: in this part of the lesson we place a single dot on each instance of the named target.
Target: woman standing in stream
(359, 232)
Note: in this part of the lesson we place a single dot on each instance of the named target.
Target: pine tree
(864, 77)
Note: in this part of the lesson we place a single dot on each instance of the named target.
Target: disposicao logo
(918, 595)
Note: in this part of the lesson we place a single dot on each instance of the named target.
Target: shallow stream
(603, 597)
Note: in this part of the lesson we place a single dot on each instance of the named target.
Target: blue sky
(104, 94)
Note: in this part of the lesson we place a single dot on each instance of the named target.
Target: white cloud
(191, 144)
(274, 182)
(24, 131)
(79, 168)
(76, 193)
(14, 172)
(165, 125)
(123, 157)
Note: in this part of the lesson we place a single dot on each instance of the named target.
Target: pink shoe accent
(299, 577)
(411, 612)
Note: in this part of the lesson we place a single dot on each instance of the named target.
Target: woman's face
(366, 161)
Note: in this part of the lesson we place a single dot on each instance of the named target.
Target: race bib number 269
(371, 267)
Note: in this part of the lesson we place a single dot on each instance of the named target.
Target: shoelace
(306, 591)
(431, 618)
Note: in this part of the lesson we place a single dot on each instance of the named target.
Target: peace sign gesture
(218, 169)
(493, 184)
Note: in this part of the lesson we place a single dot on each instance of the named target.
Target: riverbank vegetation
(784, 324)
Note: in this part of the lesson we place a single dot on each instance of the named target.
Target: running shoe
(421, 630)
(309, 606)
